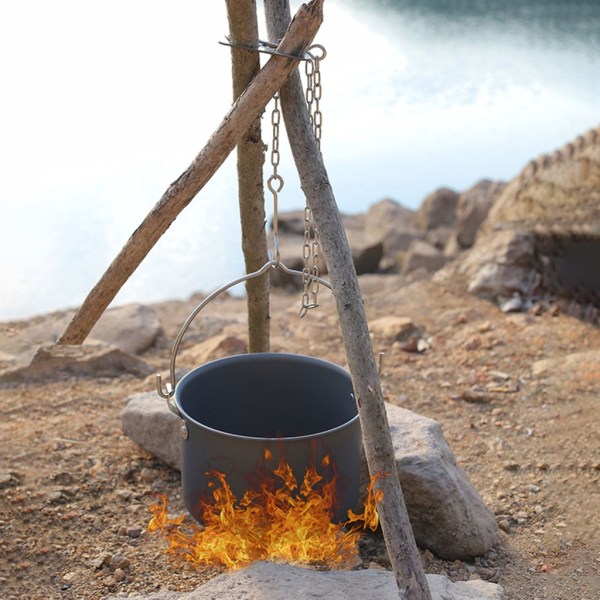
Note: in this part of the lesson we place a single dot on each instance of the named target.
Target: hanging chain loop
(275, 181)
(311, 245)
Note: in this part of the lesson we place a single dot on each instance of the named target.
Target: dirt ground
(75, 491)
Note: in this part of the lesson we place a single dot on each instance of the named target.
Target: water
(106, 103)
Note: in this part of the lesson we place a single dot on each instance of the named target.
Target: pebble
(489, 574)
(119, 575)
(504, 524)
(119, 562)
(8, 480)
(477, 396)
(62, 478)
(514, 304)
(491, 555)
(100, 560)
(148, 474)
(55, 496)
(134, 532)
(511, 465)
(124, 494)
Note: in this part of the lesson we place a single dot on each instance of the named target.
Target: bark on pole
(400, 543)
(243, 29)
(181, 192)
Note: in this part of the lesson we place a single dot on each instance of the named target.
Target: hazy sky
(103, 104)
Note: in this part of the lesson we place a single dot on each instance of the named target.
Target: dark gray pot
(298, 407)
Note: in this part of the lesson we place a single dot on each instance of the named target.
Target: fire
(282, 521)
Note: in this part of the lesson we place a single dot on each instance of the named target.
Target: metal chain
(275, 181)
(311, 246)
(314, 90)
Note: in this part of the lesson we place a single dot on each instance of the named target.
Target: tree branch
(243, 29)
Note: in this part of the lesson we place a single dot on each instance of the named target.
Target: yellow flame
(284, 522)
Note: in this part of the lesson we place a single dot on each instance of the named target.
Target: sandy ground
(75, 491)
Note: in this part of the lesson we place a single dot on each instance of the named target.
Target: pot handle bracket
(169, 390)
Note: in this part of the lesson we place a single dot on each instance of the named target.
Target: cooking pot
(298, 408)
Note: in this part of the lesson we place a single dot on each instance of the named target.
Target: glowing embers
(280, 521)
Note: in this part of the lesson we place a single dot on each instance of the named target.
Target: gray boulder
(148, 421)
(132, 328)
(473, 207)
(501, 264)
(263, 580)
(423, 255)
(446, 512)
(437, 209)
(393, 224)
(92, 359)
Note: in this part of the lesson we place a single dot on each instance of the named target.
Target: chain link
(311, 246)
(275, 181)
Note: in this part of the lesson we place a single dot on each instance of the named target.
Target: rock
(422, 255)
(393, 224)
(291, 221)
(497, 266)
(281, 582)
(437, 209)
(132, 328)
(23, 345)
(148, 421)
(472, 208)
(439, 236)
(366, 250)
(134, 532)
(514, 304)
(562, 192)
(92, 359)
(477, 396)
(99, 561)
(447, 514)
(9, 479)
(213, 348)
(572, 365)
(541, 235)
(394, 328)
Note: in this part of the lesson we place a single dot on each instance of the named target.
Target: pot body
(298, 407)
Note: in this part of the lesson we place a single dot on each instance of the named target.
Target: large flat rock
(268, 581)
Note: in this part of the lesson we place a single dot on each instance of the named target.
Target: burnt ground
(75, 491)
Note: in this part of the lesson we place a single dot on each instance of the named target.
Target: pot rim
(263, 355)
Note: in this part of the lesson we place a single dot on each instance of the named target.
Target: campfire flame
(280, 522)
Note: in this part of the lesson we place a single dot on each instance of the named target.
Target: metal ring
(279, 181)
(318, 47)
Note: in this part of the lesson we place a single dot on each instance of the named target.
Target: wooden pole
(399, 539)
(245, 110)
(245, 65)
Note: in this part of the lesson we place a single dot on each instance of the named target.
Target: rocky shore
(492, 339)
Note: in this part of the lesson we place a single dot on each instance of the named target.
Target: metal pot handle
(169, 390)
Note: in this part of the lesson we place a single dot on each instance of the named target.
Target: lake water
(105, 104)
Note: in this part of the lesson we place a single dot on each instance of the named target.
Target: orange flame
(279, 522)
